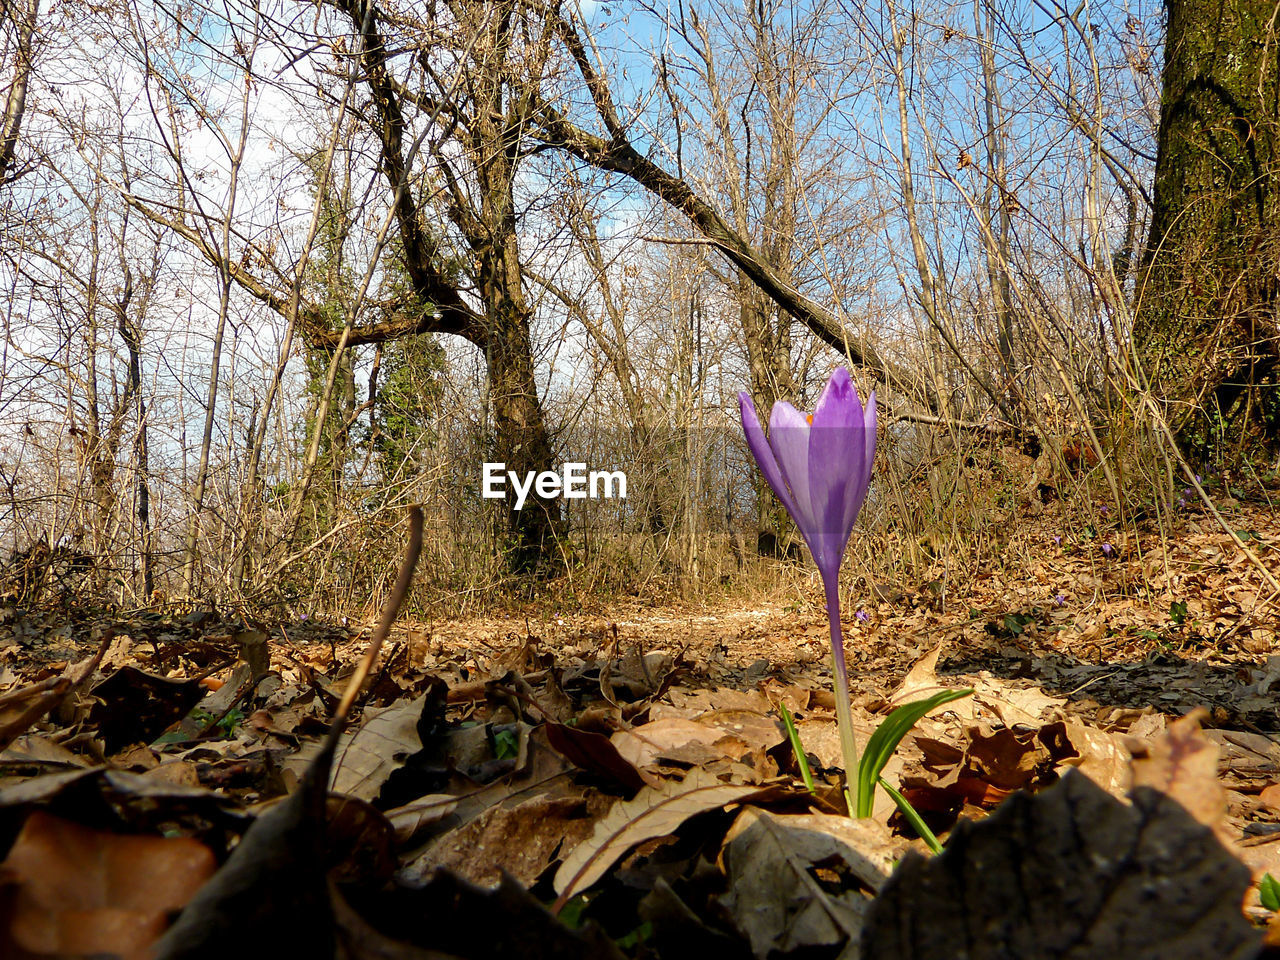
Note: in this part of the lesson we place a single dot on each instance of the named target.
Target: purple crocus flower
(1057, 541)
(862, 616)
(819, 466)
(1108, 549)
(1059, 600)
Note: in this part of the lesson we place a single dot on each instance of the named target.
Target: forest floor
(632, 772)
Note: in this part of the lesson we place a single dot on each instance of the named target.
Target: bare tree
(494, 55)
(449, 130)
(613, 151)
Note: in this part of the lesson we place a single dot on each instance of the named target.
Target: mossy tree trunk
(1206, 327)
(492, 133)
(497, 53)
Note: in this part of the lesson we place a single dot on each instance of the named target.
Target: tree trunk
(490, 123)
(23, 17)
(520, 432)
(132, 336)
(1206, 328)
(331, 374)
(997, 223)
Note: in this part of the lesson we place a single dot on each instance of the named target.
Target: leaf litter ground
(621, 785)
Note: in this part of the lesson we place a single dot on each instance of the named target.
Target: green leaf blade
(885, 740)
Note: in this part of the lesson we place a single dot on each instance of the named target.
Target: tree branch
(618, 155)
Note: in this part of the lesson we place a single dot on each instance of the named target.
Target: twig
(63, 707)
(91, 667)
(684, 241)
(995, 428)
(398, 593)
(606, 670)
(1092, 680)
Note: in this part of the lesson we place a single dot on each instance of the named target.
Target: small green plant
(1269, 892)
(802, 759)
(505, 743)
(570, 914)
(1178, 612)
(1017, 623)
(883, 743)
(880, 748)
(913, 817)
(636, 937)
(227, 725)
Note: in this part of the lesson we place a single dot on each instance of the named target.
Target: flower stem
(844, 714)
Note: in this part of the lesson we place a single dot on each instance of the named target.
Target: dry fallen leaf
(593, 752)
(22, 707)
(644, 745)
(1097, 754)
(1183, 763)
(803, 882)
(1015, 706)
(413, 817)
(519, 840)
(1005, 758)
(1270, 797)
(653, 812)
(74, 891)
(868, 847)
(921, 680)
(367, 757)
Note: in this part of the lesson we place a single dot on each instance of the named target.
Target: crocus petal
(837, 452)
(789, 437)
(838, 472)
(763, 453)
(833, 402)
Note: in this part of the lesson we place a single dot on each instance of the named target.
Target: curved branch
(454, 319)
(618, 155)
